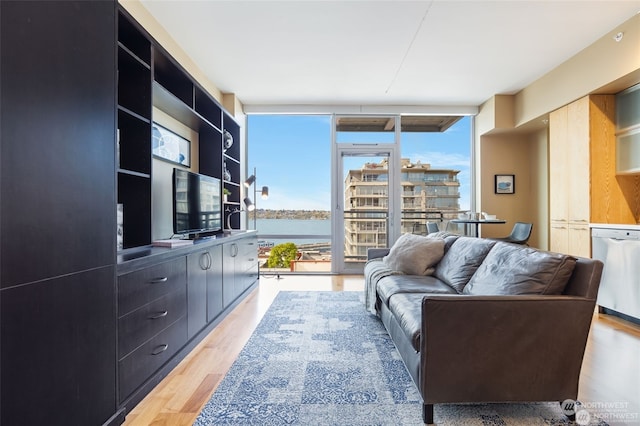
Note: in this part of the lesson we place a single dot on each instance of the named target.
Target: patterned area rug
(318, 358)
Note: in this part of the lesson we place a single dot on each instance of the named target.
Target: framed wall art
(169, 146)
(505, 184)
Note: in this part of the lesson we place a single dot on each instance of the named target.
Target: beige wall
(605, 67)
(524, 156)
(511, 136)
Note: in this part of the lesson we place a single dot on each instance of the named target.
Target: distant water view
(293, 227)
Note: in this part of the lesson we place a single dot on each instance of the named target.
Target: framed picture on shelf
(505, 184)
(169, 146)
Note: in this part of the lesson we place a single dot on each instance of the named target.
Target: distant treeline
(292, 214)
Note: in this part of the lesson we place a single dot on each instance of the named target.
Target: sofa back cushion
(512, 269)
(414, 254)
(462, 260)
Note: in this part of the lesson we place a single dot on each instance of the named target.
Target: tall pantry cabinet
(576, 133)
(57, 212)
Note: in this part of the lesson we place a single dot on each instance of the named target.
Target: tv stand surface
(199, 236)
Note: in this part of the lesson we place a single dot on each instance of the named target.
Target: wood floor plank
(202, 394)
(610, 372)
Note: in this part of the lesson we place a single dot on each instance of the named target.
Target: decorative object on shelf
(226, 173)
(120, 227)
(229, 213)
(225, 194)
(169, 146)
(118, 148)
(228, 140)
(505, 184)
(251, 206)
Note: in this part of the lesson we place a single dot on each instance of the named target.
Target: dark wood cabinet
(197, 266)
(139, 366)
(57, 212)
(133, 135)
(57, 134)
(152, 320)
(229, 255)
(215, 284)
(87, 329)
(58, 351)
(205, 287)
(168, 301)
(240, 267)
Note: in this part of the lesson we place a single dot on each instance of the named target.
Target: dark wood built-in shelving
(87, 329)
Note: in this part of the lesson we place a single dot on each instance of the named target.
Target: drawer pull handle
(159, 315)
(251, 260)
(159, 280)
(160, 349)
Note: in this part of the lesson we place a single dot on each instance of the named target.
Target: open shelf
(149, 77)
(134, 193)
(208, 109)
(232, 127)
(134, 149)
(134, 84)
(172, 78)
(134, 41)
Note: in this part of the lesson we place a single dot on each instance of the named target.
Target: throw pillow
(415, 254)
(510, 269)
(462, 260)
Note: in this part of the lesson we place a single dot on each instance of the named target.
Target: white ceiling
(358, 52)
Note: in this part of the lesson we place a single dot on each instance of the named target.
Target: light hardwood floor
(610, 378)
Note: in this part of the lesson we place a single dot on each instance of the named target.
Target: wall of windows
(292, 155)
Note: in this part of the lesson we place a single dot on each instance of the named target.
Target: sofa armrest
(502, 348)
(375, 253)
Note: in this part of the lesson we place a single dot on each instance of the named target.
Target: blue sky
(292, 156)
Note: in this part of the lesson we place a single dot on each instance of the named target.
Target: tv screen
(197, 203)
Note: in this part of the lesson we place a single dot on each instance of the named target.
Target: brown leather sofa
(494, 322)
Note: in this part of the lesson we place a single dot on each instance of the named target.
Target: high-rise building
(427, 195)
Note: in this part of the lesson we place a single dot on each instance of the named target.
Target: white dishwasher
(619, 249)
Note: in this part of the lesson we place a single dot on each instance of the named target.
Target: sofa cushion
(415, 254)
(514, 269)
(407, 310)
(390, 285)
(462, 260)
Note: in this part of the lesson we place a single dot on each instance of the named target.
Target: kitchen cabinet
(576, 132)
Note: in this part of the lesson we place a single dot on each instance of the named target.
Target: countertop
(615, 226)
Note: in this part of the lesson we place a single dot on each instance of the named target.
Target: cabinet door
(578, 164)
(229, 255)
(57, 133)
(197, 266)
(579, 240)
(215, 284)
(59, 351)
(558, 169)
(559, 237)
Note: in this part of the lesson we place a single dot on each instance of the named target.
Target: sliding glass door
(365, 199)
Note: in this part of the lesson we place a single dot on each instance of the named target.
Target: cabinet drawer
(141, 287)
(140, 325)
(140, 364)
(248, 247)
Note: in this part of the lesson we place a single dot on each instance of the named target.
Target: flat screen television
(197, 204)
